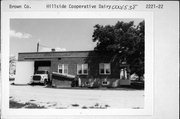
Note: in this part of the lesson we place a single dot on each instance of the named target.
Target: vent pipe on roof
(38, 47)
(53, 50)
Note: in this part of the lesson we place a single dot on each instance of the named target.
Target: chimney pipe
(53, 49)
(38, 47)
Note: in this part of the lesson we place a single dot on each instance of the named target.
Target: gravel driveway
(44, 97)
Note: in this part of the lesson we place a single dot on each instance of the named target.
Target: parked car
(11, 77)
(137, 84)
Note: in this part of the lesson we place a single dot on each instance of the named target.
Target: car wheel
(31, 83)
(45, 82)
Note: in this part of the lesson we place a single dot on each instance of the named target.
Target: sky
(61, 34)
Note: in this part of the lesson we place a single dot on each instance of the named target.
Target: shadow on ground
(15, 104)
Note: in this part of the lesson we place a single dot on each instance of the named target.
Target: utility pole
(38, 47)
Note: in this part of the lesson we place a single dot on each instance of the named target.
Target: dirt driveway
(27, 96)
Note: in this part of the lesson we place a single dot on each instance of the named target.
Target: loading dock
(26, 69)
(42, 65)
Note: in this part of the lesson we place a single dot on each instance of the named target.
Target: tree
(125, 40)
(12, 65)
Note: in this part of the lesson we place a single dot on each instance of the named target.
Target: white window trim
(104, 69)
(82, 67)
(63, 68)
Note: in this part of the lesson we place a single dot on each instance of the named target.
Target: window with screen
(105, 68)
(63, 68)
(82, 69)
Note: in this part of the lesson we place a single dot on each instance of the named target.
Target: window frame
(63, 68)
(104, 68)
(82, 68)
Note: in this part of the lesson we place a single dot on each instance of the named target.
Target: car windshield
(41, 72)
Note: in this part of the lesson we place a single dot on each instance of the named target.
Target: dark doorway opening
(42, 65)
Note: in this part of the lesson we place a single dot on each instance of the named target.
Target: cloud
(20, 35)
(45, 49)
